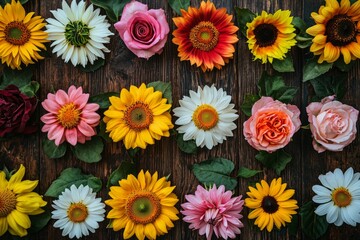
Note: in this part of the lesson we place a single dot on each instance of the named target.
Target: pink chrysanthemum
(70, 116)
(213, 210)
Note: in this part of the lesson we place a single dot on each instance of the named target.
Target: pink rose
(143, 31)
(332, 124)
(271, 125)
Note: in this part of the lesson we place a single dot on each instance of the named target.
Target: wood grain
(238, 78)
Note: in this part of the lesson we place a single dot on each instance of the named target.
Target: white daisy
(206, 116)
(78, 211)
(78, 34)
(339, 197)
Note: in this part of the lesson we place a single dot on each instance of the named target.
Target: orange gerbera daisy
(336, 31)
(205, 36)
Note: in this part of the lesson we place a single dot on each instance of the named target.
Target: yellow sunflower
(205, 36)
(21, 37)
(138, 117)
(17, 201)
(271, 35)
(271, 204)
(143, 206)
(336, 31)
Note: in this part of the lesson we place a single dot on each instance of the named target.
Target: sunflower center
(204, 36)
(7, 202)
(17, 33)
(340, 30)
(143, 207)
(69, 115)
(341, 197)
(138, 116)
(269, 204)
(205, 117)
(77, 212)
(77, 33)
(265, 34)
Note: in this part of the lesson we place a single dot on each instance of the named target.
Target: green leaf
(293, 225)
(243, 16)
(163, 87)
(248, 103)
(299, 24)
(133, 152)
(38, 222)
(176, 5)
(4, 2)
(103, 99)
(285, 65)
(342, 66)
(102, 133)
(113, 8)
(121, 172)
(90, 151)
(313, 226)
(186, 146)
(303, 39)
(215, 170)
(19, 78)
(72, 176)
(276, 160)
(274, 86)
(53, 151)
(30, 89)
(313, 69)
(247, 172)
(329, 84)
(92, 67)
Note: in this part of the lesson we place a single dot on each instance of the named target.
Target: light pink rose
(332, 124)
(143, 31)
(271, 125)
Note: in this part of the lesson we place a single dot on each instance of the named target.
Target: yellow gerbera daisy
(138, 117)
(17, 201)
(336, 31)
(21, 37)
(271, 36)
(143, 206)
(272, 204)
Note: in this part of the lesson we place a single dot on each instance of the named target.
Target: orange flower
(336, 31)
(205, 36)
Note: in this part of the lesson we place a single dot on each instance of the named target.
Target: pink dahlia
(70, 116)
(213, 210)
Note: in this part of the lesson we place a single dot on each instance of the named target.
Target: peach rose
(143, 31)
(271, 125)
(332, 124)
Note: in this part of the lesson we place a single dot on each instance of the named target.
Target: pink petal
(85, 129)
(61, 97)
(51, 106)
(71, 136)
(49, 118)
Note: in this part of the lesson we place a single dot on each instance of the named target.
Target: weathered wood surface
(238, 78)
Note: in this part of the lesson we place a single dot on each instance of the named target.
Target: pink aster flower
(213, 210)
(70, 116)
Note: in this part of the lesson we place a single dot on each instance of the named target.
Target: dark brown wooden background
(238, 77)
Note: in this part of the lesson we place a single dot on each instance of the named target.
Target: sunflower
(336, 31)
(143, 206)
(271, 36)
(205, 36)
(272, 204)
(138, 117)
(17, 201)
(21, 37)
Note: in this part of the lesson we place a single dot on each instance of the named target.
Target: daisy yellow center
(69, 115)
(340, 30)
(7, 202)
(204, 36)
(143, 207)
(138, 116)
(77, 212)
(77, 33)
(269, 204)
(17, 33)
(265, 34)
(341, 197)
(205, 117)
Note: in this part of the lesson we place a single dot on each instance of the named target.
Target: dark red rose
(15, 111)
